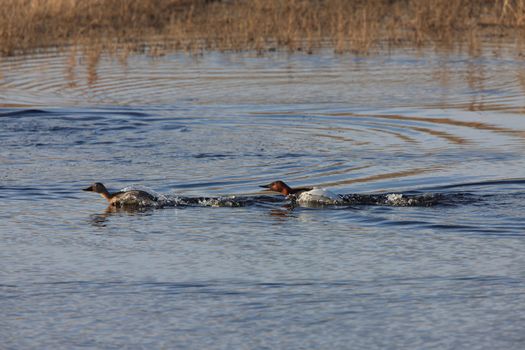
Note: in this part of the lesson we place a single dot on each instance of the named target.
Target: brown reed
(297, 25)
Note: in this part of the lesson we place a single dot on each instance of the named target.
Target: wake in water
(392, 199)
(140, 197)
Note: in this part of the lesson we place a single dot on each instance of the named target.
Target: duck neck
(287, 190)
(106, 194)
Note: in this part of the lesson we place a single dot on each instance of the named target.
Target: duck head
(278, 186)
(97, 187)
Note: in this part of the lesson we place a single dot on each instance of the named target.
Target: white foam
(318, 196)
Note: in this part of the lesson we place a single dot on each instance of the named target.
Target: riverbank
(263, 25)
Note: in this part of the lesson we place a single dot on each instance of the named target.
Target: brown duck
(122, 198)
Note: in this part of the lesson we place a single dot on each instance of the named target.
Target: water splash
(389, 199)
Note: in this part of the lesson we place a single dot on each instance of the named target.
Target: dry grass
(305, 25)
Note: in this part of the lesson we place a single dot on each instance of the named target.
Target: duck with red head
(303, 194)
(281, 187)
(123, 198)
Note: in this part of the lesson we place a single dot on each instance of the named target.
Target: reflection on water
(492, 80)
(224, 265)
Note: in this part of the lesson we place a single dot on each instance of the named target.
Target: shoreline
(357, 27)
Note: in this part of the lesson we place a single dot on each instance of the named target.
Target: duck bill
(90, 189)
(265, 186)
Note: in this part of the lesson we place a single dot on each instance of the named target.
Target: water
(263, 275)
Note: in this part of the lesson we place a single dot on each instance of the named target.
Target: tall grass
(345, 25)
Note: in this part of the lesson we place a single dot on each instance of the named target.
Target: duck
(123, 198)
(303, 194)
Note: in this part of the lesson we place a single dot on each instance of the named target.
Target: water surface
(264, 275)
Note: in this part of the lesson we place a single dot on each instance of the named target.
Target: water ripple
(426, 148)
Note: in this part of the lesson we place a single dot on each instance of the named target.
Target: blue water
(264, 274)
